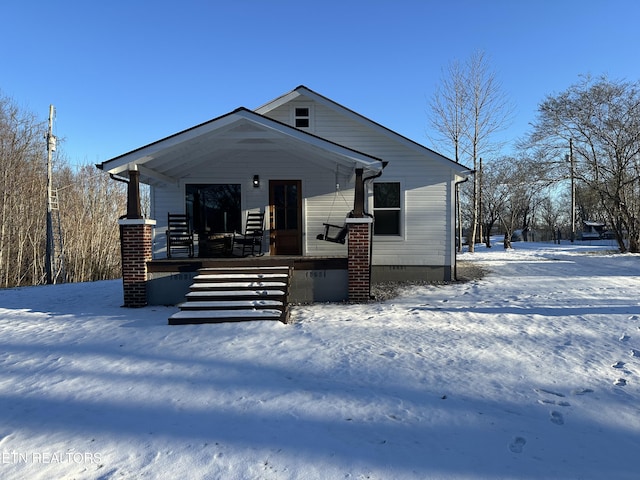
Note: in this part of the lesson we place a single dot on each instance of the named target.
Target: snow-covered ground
(531, 372)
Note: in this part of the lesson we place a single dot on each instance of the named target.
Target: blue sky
(122, 74)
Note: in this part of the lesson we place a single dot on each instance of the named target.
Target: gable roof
(242, 130)
(301, 90)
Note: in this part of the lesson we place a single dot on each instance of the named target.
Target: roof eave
(137, 158)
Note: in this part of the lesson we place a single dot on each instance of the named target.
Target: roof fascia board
(146, 153)
(123, 171)
(281, 100)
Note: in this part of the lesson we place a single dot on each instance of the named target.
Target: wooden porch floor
(185, 264)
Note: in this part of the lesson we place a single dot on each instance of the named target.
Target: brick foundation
(135, 246)
(359, 261)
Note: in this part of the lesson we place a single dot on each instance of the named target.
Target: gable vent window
(302, 117)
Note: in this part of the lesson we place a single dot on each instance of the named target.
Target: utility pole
(51, 147)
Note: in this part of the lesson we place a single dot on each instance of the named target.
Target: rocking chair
(179, 234)
(251, 239)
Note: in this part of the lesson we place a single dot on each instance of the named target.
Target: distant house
(304, 161)
(592, 230)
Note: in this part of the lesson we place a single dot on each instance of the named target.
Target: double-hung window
(387, 208)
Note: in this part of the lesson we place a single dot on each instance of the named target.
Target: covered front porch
(220, 172)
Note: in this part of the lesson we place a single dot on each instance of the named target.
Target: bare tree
(467, 110)
(494, 198)
(89, 207)
(514, 189)
(22, 183)
(601, 119)
(550, 215)
(90, 202)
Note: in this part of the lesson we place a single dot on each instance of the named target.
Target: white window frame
(309, 118)
(400, 236)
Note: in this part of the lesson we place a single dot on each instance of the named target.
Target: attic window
(302, 117)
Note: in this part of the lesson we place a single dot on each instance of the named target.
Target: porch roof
(232, 137)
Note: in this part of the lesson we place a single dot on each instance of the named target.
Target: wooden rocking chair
(251, 239)
(179, 234)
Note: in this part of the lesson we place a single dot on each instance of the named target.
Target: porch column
(135, 247)
(358, 199)
(133, 195)
(359, 261)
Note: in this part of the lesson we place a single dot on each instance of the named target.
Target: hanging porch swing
(340, 236)
(335, 233)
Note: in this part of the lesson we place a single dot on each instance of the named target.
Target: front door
(285, 217)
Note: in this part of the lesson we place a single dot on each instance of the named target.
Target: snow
(530, 372)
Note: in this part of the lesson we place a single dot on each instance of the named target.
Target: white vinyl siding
(426, 181)
(427, 219)
(322, 203)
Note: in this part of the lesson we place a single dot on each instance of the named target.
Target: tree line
(86, 247)
(583, 149)
(588, 134)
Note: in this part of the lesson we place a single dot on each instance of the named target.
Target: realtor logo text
(13, 456)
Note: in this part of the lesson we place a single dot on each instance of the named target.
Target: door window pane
(285, 202)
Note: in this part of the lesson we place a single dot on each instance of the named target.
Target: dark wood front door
(285, 217)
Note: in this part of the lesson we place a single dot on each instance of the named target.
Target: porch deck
(185, 264)
(314, 279)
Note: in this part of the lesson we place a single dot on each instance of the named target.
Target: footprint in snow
(620, 382)
(618, 365)
(557, 418)
(581, 391)
(561, 403)
(549, 392)
(634, 352)
(624, 337)
(517, 444)
(633, 317)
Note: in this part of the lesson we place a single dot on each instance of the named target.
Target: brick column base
(359, 259)
(135, 247)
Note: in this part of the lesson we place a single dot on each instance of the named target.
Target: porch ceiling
(239, 135)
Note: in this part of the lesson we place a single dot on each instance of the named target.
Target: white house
(304, 161)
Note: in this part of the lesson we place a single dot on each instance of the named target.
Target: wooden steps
(236, 294)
